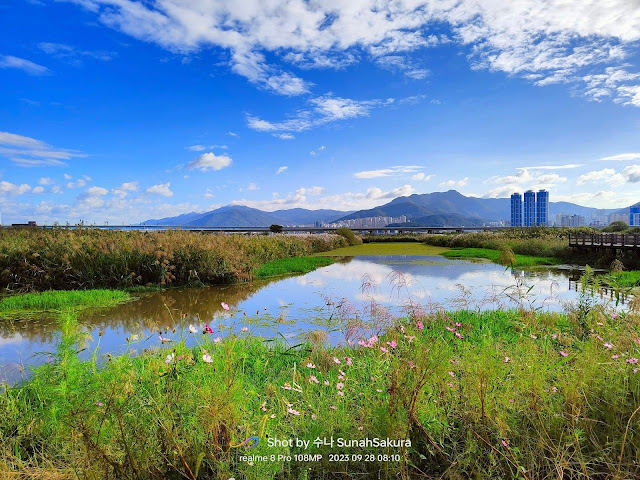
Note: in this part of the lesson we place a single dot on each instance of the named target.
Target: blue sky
(118, 111)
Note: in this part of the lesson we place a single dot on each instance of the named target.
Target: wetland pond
(372, 289)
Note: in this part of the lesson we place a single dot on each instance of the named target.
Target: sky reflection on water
(290, 307)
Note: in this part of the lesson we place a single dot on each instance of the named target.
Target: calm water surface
(361, 287)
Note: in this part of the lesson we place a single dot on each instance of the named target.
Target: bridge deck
(605, 240)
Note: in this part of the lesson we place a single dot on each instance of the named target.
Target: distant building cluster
(563, 220)
(365, 222)
(535, 211)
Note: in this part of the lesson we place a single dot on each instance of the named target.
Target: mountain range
(449, 208)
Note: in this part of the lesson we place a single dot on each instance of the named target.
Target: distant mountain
(444, 220)
(420, 206)
(302, 216)
(242, 216)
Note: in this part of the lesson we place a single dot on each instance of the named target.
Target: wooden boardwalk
(606, 240)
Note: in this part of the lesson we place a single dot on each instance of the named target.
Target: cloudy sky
(120, 110)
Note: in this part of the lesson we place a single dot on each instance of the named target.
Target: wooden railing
(605, 240)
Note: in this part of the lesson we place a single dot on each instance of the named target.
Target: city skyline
(128, 111)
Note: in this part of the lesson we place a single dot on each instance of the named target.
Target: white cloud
(375, 193)
(123, 190)
(67, 176)
(283, 136)
(422, 176)
(281, 169)
(455, 183)
(30, 152)
(161, 189)
(38, 190)
(8, 61)
(74, 55)
(45, 181)
(92, 198)
(233, 134)
(13, 189)
(210, 161)
(253, 187)
(197, 148)
(582, 42)
(623, 156)
(553, 167)
(632, 173)
(606, 175)
(77, 184)
(387, 172)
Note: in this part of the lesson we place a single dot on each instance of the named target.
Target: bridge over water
(606, 241)
(257, 230)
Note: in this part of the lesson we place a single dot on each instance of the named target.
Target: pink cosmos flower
(410, 337)
(613, 357)
(340, 385)
(384, 350)
(533, 336)
(614, 315)
(206, 357)
(313, 379)
(635, 370)
(563, 353)
(350, 342)
(458, 324)
(506, 360)
(169, 358)
(600, 338)
(310, 365)
(392, 344)
(632, 360)
(333, 407)
(326, 382)
(292, 411)
(420, 325)
(504, 443)
(411, 364)
(100, 404)
(164, 339)
(607, 345)
(554, 336)
(224, 305)
(217, 340)
(453, 375)
(378, 390)
(349, 361)
(244, 329)
(341, 393)
(451, 329)
(457, 334)
(207, 329)
(336, 360)
(342, 373)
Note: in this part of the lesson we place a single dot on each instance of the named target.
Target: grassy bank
(479, 395)
(38, 259)
(493, 255)
(55, 300)
(387, 248)
(628, 279)
(286, 266)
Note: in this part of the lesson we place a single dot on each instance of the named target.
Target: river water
(373, 289)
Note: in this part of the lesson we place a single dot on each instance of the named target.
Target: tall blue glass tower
(516, 210)
(542, 208)
(634, 216)
(529, 208)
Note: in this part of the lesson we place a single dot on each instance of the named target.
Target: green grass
(516, 395)
(390, 248)
(286, 266)
(489, 254)
(629, 279)
(54, 300)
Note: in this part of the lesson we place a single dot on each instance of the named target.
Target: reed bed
(86, 258)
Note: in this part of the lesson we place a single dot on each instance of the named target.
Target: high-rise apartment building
(529, 208)
(542, 208)
(634, 216)
(516, 210)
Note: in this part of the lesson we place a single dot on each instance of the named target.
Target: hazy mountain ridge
(444, 208)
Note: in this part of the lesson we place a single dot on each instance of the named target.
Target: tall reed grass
(84, 258)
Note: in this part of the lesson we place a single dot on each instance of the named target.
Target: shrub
(618, 226)
(349, 236)
(275, 228)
